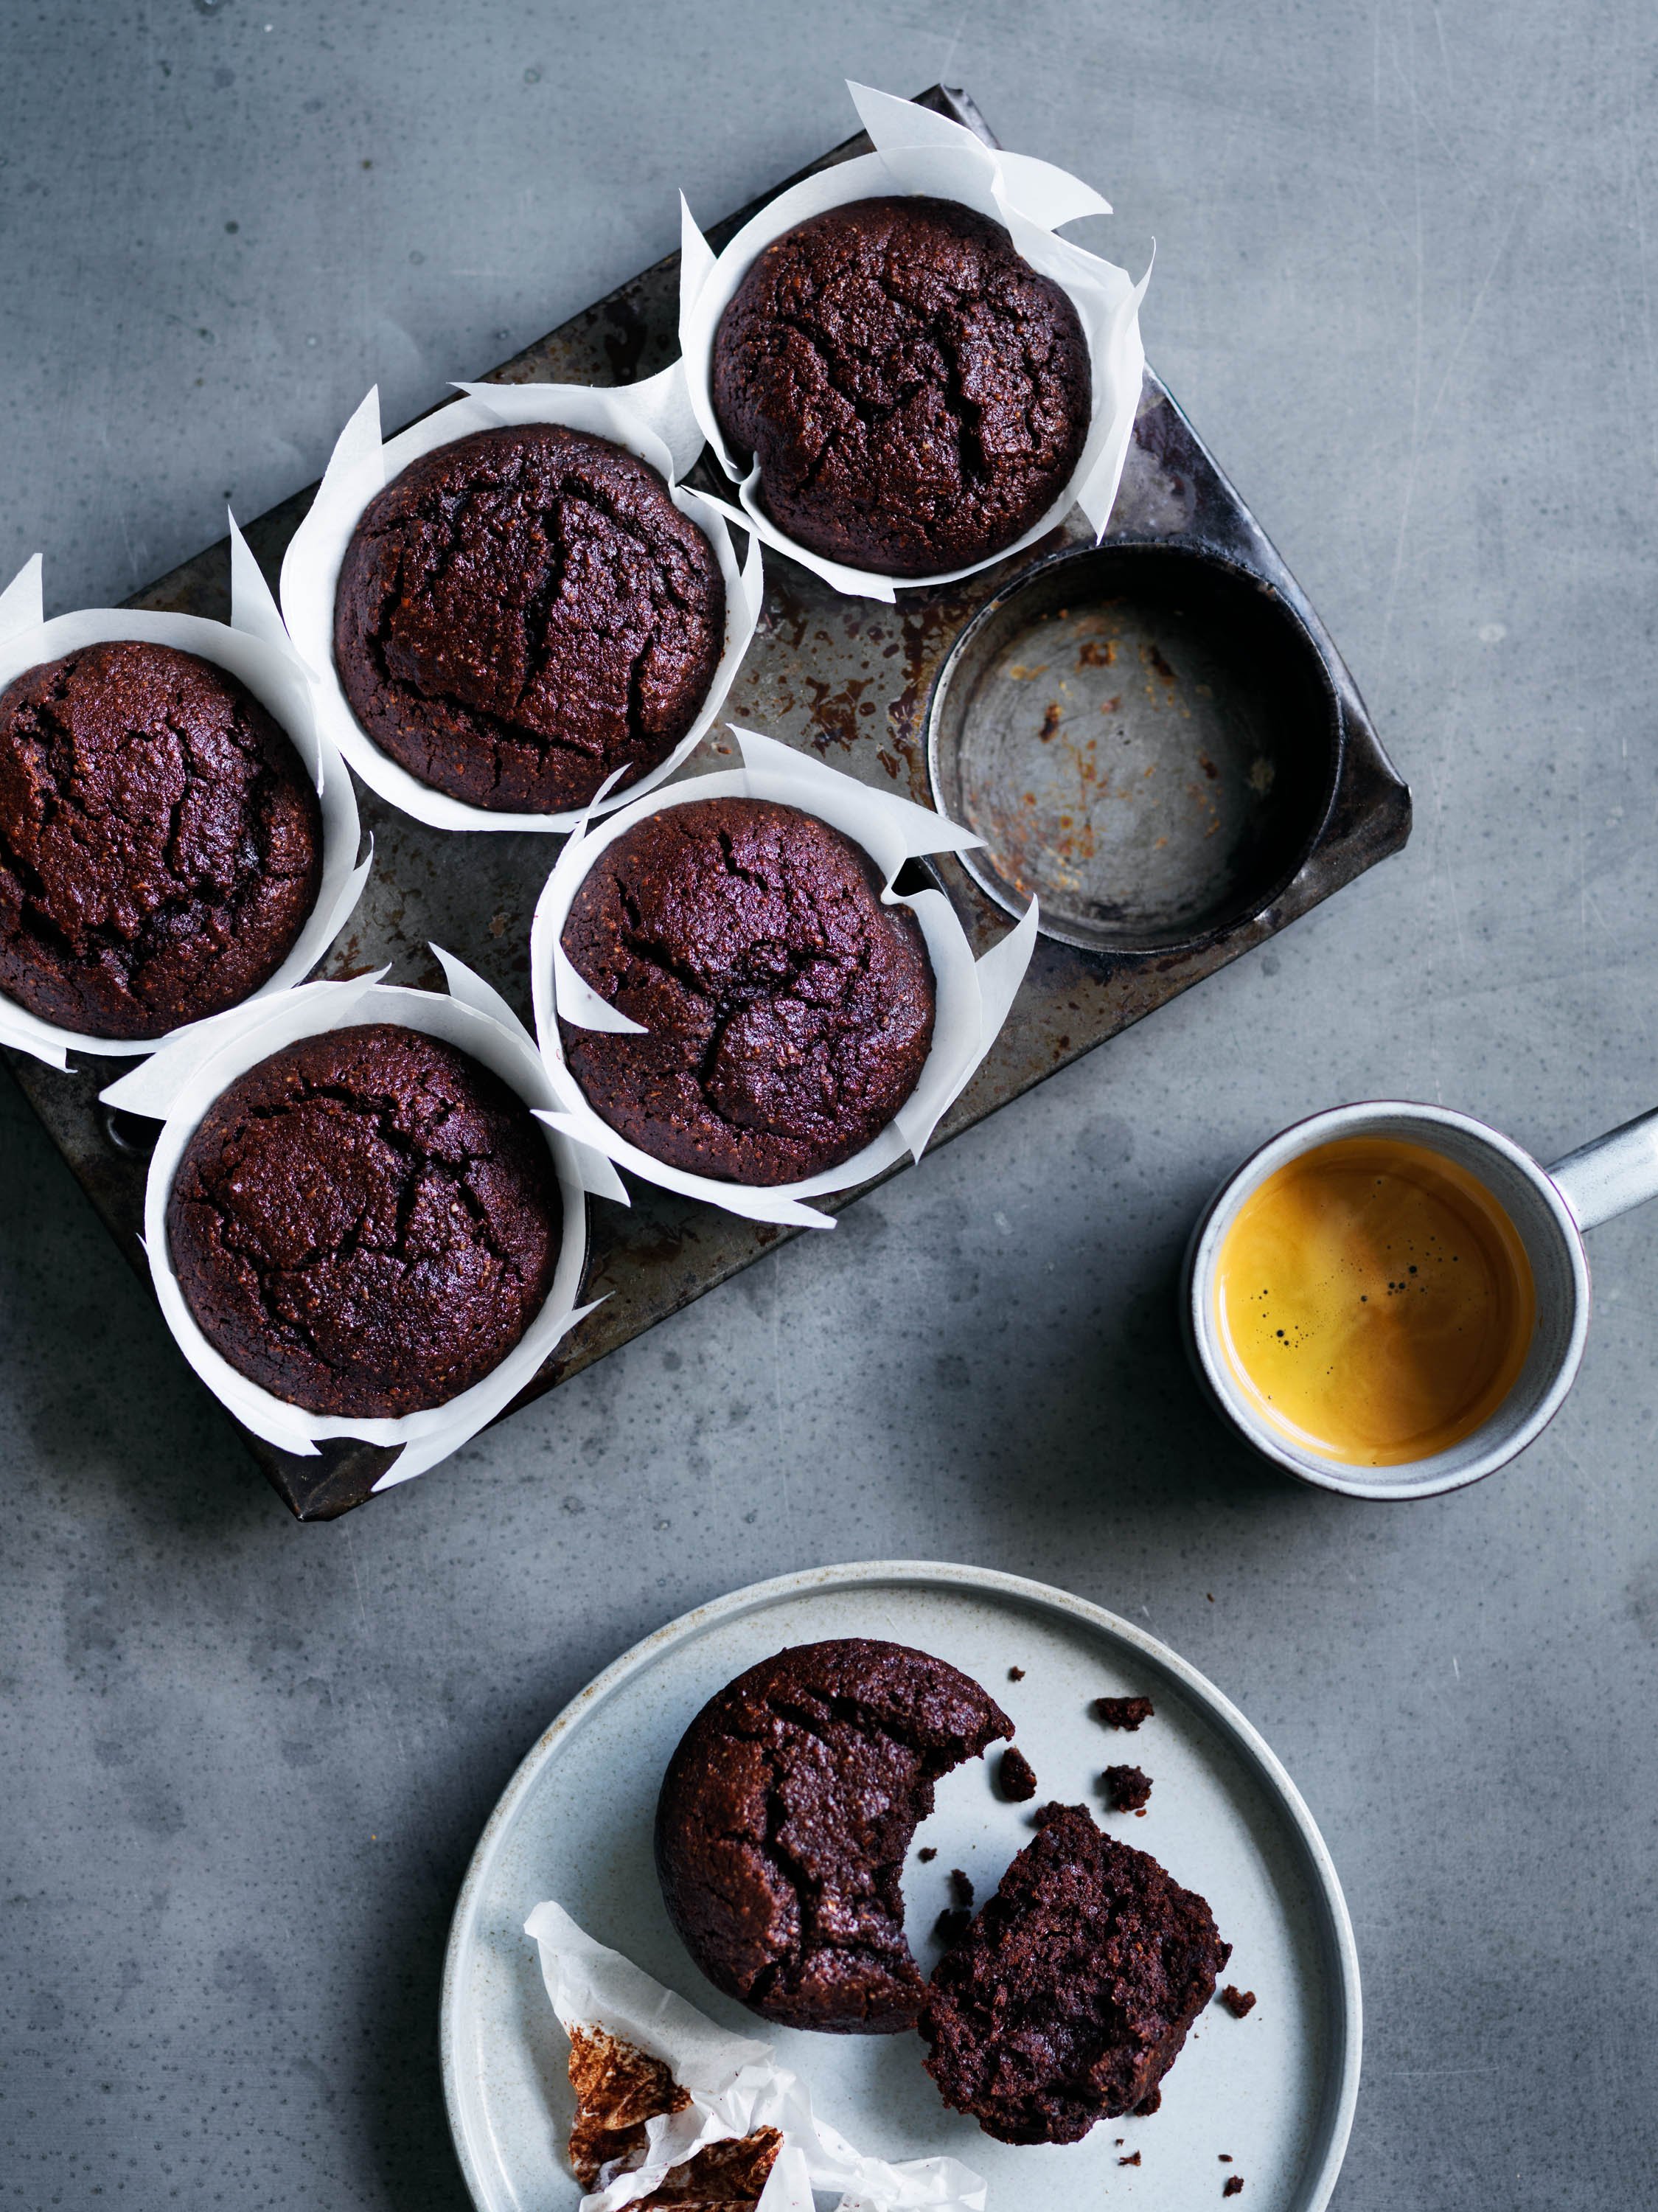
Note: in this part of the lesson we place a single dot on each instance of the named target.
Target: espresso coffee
(1374, 1301)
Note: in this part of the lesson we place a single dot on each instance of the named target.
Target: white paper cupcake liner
(651, 420)
(917, 151)
(736, 2086)
(255, 649)
(177, 1087)
(972, 997)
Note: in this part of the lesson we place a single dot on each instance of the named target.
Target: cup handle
(1612, 1172)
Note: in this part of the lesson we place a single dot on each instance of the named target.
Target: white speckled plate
(1275, 2090)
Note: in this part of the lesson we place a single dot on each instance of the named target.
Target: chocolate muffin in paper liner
(1070, 1996)
(784, 1818)
(916, 395)
(523, 610)
(366, 1222)
(787, 1013)
(160, 841)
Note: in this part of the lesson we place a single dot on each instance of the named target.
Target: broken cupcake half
(1068, 1999)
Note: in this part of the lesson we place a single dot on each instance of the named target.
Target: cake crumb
(1234, 2185)
(1122, 1712)
(927, 1853)
(1016, 1674)
(956, 1919)
(1238, 2001)
(1014, 1776)
(1133, 2159)
(1126, 1789)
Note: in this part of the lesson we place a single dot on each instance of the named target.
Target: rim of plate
(755, 1597)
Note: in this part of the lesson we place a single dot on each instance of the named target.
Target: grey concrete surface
(1405, 289)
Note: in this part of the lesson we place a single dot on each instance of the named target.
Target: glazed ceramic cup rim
(1563, 1291)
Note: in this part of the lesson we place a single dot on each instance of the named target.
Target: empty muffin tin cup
(1550, 1208)
(1146, 738)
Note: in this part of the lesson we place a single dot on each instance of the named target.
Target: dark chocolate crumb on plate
(1133, 2159)
(1126, 1789)
(1233, 2186)
(1238, 2001)
(956, 1919)
(1016, 1674)
(1014, 1777)
(927, 1853)
(1122, 1712)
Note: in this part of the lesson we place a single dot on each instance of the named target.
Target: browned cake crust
(161, 843)
(523, 610)
(366, 1222)
(788, 1012)
(1069, 1998)
(917, 396)
(785, 1817)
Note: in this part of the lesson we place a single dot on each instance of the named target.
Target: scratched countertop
(1403, 289)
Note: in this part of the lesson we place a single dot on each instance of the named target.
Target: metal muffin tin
(1157, 736)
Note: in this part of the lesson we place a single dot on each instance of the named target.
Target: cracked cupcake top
(1069, 1997)
(784, 1818)
(788, 1013)
(366, 1222)
(916, 395)
(161, 843)
(523, 610)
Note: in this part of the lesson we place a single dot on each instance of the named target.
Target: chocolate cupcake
(366, 1222)
(161, 841)
(787, 1013)
(523, 610)
(784, 1818)
(916, 395)
(1069, 1998)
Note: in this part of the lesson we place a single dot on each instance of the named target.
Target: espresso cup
(1550, 1209)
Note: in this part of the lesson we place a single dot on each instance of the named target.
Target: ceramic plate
(1275, 2090)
